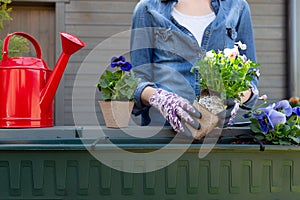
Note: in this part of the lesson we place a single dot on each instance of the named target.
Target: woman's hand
(174, 108)
(245, 96)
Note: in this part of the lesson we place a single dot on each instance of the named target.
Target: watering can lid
(24, 63)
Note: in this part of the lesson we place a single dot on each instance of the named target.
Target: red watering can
(28, 86)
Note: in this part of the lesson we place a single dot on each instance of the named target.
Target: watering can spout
(70, 44)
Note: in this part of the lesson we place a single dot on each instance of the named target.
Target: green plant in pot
(117, 87)
(223, 75)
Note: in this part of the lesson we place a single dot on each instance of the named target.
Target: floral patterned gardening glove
(174, 108)
(227, 116)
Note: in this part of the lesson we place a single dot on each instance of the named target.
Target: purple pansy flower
(264, 123)
(296, 110)
(263, 118)
(120, 62)
(284, 106)
(268, 118)
(277, 117)
(126, 66)
(117, 61)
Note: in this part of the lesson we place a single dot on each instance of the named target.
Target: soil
(213, 103)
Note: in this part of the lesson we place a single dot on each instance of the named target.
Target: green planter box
(67, 168)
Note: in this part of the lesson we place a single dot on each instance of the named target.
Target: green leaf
(260, 137)
(284, 142)
(295, 139)
(255, 127)
(106, 96)
(119, 85)
(297, 130)
(275, 142)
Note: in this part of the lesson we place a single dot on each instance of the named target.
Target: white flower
(241, 45)
(263, 97)
(209, 54)
(257, 72)
(231, 53)
(227, 52)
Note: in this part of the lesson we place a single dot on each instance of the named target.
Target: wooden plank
(274, 81)
(83, 107)
(84, 119)
(116, 7)
(274, 93)
(98, 19)
(86, 80)
(267, 9)
(269, 33)
(270, 45)
(100, 55)
(60, 93)
(269, 21)
(84, 96)
(272, 69)
(115, 43)
(96, 31)
(266, 1)
(73, 67)
(271, 57)
(47, 38)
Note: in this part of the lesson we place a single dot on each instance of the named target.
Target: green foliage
(278, 123)
(228, 75)
(117, 85)
(17, 45)
(125, 87)
(284, 134)
(4, 12)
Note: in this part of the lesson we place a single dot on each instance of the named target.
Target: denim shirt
(163, 51)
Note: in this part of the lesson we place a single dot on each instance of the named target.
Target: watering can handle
(25, 35)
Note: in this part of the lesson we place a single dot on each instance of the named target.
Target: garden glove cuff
(227, 116)
(174, 108)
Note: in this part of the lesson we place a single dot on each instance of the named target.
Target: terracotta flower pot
(116, 114)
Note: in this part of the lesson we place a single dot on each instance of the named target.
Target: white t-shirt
(195, 24)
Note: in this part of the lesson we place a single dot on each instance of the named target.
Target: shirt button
(206, 32)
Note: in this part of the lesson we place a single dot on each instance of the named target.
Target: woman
(169, 37)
